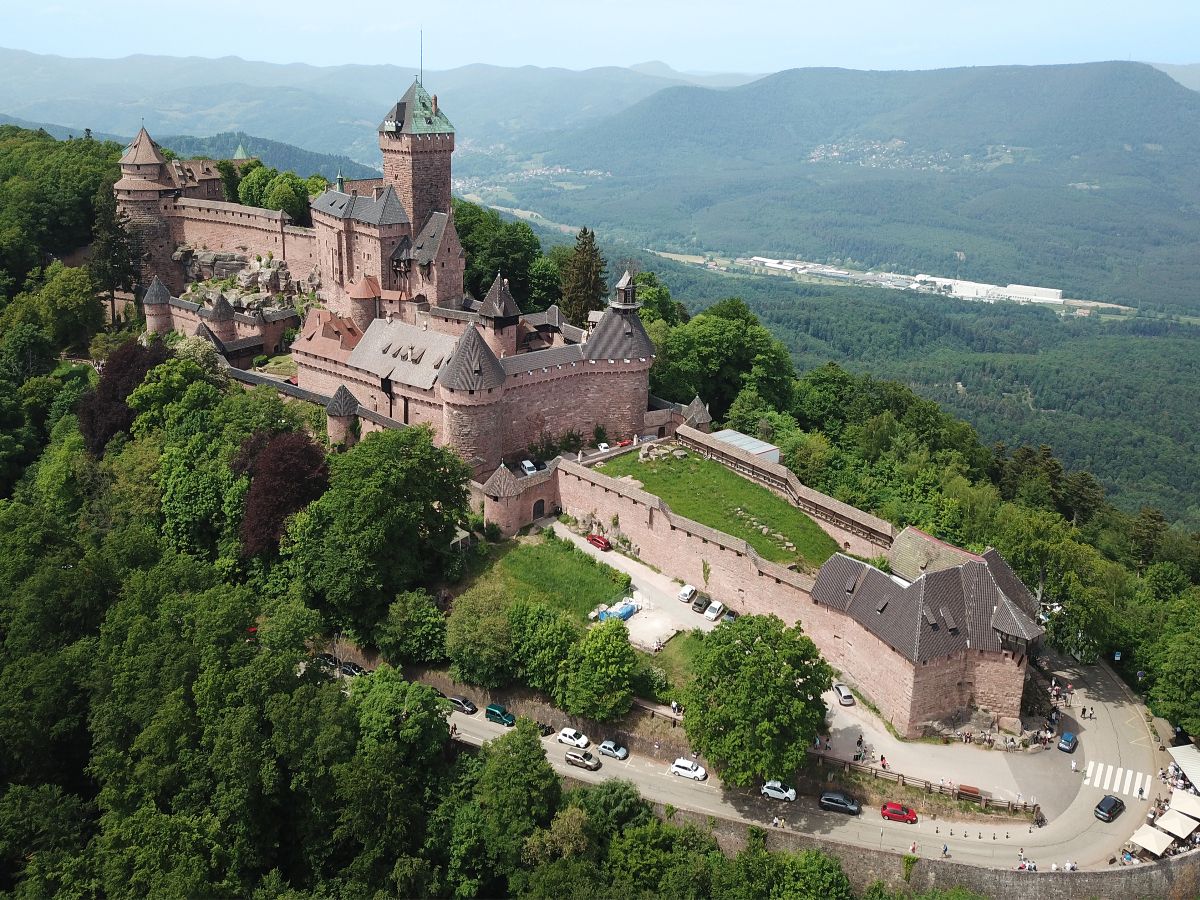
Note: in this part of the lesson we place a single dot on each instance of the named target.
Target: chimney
(389, 316)
(378, 191)
(435, 104)
(353, 192)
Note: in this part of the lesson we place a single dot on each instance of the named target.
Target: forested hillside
(1076, 177)
(1114, 397)
(272, 153)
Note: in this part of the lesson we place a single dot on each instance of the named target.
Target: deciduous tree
(600, 672)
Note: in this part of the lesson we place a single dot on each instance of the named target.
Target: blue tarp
(622, 612)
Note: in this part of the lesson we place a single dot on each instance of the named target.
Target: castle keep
(396, 330)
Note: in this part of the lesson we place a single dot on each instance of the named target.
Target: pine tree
(113, 264)
(583, 280)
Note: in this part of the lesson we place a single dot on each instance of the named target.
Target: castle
(397, 330)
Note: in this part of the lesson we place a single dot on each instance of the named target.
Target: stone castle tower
(144, 184)
(417, 141)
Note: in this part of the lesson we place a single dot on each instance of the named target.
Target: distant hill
(328, 109)
(272, 153)
(1188, 76)
(1080, 177)
(62, 132)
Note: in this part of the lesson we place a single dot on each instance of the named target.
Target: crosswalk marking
(1137, 785)
(1107, 777)
(1128, 779)
(1117, 779)
(1087, 779)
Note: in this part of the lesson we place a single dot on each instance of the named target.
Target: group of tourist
(1173, 776)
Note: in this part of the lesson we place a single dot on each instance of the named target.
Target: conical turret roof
(157, 294)
(240, 153)
(502, 483)
(221, 310)
(473, 366)
(499, 302)
(416, 113)
(342, 403)
(143, 150)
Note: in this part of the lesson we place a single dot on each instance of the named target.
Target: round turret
(364, 302)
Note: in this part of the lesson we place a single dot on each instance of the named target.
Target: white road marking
(1128, 779)
(1087, 779)
(1137, 785)
(1107, 777)
(1117, 781)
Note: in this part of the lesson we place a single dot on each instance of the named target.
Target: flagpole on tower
(421, 76)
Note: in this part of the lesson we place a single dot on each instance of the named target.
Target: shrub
(492, 532)
(261, 360)
(599, 435)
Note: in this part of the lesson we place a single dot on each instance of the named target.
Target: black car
(839, 802)
(701, 603)
(351, 670)
(545, 730)
(327, 661)
(463, 705)
(1109, 808)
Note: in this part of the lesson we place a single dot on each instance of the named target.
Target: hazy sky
(747, 36)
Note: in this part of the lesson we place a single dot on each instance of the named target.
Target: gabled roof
(502, 483)
(143, 150)
(429, 241)
(387, 210)
(625, 281)
(473, 366)
(939, 614)
(619, 335)
(342, 403)
(416, 113)
(499, 302)
(1012, 586)
(157, 294)
(366, 288)
(697, 412)
(403, 353)
(914, 553)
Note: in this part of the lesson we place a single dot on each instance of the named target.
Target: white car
(528, 467)
(715, 611)
(776, 790)
(685, 768)
(573, 738)
(687, 593)
(602, 447)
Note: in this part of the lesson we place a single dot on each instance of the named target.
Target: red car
(898, 812)
(599, 541)
(625, 443)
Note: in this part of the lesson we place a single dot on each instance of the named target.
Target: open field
(676, 656)
(711, 494)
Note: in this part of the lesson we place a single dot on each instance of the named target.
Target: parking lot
(661, 614)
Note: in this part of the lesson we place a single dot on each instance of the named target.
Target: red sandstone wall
(419, 168)
(514, 513)
(300, 250)
(999, 682)
(213, 228)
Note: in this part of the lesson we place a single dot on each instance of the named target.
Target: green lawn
(281, 365)
(675, 658)
(709, 493)
(554, 573)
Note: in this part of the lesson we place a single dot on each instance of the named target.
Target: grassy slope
(709, 493)
(556, 575)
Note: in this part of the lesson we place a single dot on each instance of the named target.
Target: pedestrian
(828, 746)
(913, 848)
(674, 707)
(883, 762)
(945, 850)
(1021, 855)
(775, 821)
(941, 783)
(860, 742)
(1141, 793)
(1074, 766)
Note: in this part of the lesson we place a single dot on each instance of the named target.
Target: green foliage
(413, 631)
(542, 640)
(600, 672)
(583, 285)
(384, 526)
(288, 192)
(113, 259)
(495, 246)
(754, 703)
(59, 300)
(478, 640)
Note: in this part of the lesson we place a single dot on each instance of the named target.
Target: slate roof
(473, 366)
(276, 313)
(502, 483)
(221, 310)
(914, 553)
(552, 317)
(697, 412)
(499, 302)
(1012, 586)
(429, 241)
(619, 335)
(143, 150)
(387, 210)
(404, 353)
(413, 114)
(342, 403)
(157, 294)
(939, 614)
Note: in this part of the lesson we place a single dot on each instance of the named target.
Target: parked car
(544, 729)
(729, 616)
(714, 612)
(501, 716)
(583, 759)
(898, 812)
(463, 705)
(351, 670)
(844, 694)
(602, 447)
(1109, 808)
(777, 790)
(528, 467)
(328, 659)
(573, 737)
(1068, 742)
(685, 768)
(700, 604)
(687, 593)
(599, 541)
(839, 802)
(613, 749)
(626, 442)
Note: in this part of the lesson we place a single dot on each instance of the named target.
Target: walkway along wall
(739, 577)
(855, 531)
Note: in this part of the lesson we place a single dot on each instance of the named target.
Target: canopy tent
(1177, 823)
(1188, 804)
(1152, 839)
(1187, 758)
